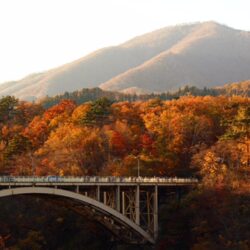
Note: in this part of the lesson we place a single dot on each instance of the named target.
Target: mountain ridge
(135, 78)
(200, 54)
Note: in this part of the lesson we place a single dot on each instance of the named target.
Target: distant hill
(93, 94)
(235, 88)
(202, 54)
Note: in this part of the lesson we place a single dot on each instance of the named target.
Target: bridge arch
(106, 210)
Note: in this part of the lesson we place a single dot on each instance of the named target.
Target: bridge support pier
(137, 205)
(98, 193)
(155, 212)
(123, 202)
(118, 200)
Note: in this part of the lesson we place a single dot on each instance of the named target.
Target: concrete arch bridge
(127, 206)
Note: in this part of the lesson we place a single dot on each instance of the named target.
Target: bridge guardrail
(95, 179)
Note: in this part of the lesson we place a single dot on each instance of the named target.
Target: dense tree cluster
(40, 223)
(207, 137)
(179, 137)
(85, 95)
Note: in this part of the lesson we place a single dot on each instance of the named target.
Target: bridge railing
(94, 179)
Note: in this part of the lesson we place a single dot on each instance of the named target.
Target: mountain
(209, 55)
(200, 54)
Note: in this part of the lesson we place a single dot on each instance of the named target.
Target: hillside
(201, 54)
(209, 55)
(85, 95)
(235, 88)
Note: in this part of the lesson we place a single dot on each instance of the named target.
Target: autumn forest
(205, 137)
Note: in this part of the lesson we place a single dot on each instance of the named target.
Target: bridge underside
(122, 225)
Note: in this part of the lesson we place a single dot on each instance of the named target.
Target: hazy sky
(36, 35)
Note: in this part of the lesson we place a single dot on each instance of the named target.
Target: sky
(37, 35)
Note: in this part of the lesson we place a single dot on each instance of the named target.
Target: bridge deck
(95, 180)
